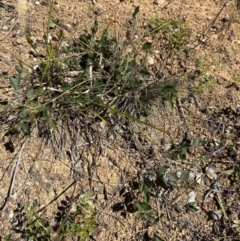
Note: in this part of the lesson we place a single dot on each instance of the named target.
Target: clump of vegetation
(95, 79)
(74, 219)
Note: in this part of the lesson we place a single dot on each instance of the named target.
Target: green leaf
(15, 81)
(149, 217)
(21, 70)
(131, 65)
(44, 108)
(190, 207)
(157, 238)
(43, 117)
(143, 206)
(144, 72)
(161, 171)
(25, 128)
(204, 158)
(183, 153)
(136, 11)
(84, 40)
(146, 197)
(198, 142)
(173, 177)
(160, 182)
(24, 113)
(184, 176)
(40, 91)
(95, 27)
(142, 187)
(31, 94)
(152, 194)
(146, 46)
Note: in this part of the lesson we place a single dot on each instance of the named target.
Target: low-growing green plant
(164, 177)
(180, 151)
(80, 222)
(206, 80)
(94, 79)
(175, 34)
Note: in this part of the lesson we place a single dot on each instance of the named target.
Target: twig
(217, 196)
(204, 33)
(14, 173)
(1, 39)
(180, 108)
(113, 216)
(66, 215)
(165, 6)
(16, 168)
(55, 198)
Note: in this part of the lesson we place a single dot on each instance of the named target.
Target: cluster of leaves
(149, 187)
(180, 151)
(109, 83)
(80, 222)
(174, 33)
(153, 181)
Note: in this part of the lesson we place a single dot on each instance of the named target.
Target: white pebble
(5, 28)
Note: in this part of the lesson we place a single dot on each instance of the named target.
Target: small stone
(49, 38)
(37, 3)
(226, 18)
(36, 67)
(215, 36)
(221, 80)
(211, 172)
(191, 197)
(159, 2)
(11, 214)
(19, 41)
(100, 197)
(130, 49)
(178, 173)
(5, 28)
(215, 215)
(199, 178)
(7, 58)
(192, 175)
(67, 26)
(150, 60)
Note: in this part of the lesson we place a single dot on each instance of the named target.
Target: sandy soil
(212, 115)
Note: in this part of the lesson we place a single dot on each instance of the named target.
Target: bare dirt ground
(213, 115)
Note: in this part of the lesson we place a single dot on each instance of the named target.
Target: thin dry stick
(16, 168)
(66, 215)
(204, 33)
(14, 173)
(113, 216)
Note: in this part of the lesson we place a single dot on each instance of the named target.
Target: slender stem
(16, 168)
